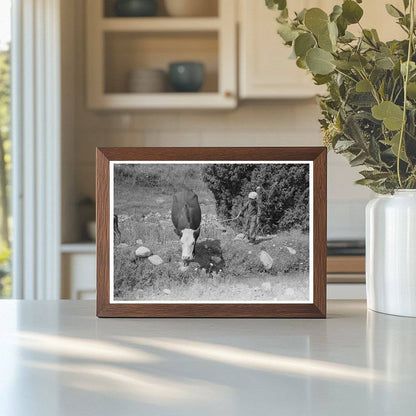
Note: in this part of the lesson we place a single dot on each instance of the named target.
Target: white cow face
(188, 244)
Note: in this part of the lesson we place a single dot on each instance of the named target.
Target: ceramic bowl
(186, 76)
(135, 8)
(147, 80)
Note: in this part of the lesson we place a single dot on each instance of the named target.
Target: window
(5, 144)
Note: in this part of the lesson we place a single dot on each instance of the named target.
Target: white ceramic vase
(391, 253)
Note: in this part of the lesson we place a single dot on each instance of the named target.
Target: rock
(139, 242)
(289, 291)
(290, 250)
(160, 200)
(239, 237)
(266, 260)
(183, 268)
(216, 259)
(122, 245)
(155, 259)
(250, 252)
(139, 293)
(166, 291)
(143, 252)
(266, 286)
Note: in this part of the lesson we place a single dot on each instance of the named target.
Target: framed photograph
(211, 232)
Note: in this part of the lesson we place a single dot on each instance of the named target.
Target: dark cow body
(186, 215)
(117, 232)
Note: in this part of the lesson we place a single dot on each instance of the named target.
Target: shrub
(284, 196)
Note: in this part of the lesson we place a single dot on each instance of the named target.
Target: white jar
(391, 253)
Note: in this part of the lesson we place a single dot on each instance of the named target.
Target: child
(253, 215)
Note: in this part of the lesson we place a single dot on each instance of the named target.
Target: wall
(265, 123)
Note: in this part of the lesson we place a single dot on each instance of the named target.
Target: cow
(117, 232)
(186, 218)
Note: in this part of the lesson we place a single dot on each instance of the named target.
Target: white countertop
(57, 359)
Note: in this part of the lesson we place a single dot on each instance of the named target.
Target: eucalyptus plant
(369, 112)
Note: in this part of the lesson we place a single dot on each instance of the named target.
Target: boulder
(216, 259)
(266, 286)
(143, 252)
(266, 260)
(239, 237)
(290, 250)
(156, 260)
(166, 291)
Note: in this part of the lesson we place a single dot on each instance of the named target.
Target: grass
(224, 269)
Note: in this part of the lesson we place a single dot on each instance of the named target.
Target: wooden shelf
(128, 101)
(159, 24)
(81, 247)
(346, 264)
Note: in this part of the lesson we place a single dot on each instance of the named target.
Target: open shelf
(116, 46)
(211, 9)
(127, 51)
(160, 24)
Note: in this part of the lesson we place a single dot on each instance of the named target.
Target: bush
(284, 196)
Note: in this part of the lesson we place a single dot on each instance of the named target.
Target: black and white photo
(211, 232)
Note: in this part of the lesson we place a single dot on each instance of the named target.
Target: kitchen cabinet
(265, 70)
(116, 46)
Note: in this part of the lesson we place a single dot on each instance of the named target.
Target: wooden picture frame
(314, 308)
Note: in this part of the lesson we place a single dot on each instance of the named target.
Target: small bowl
(186, 76)
(135, 8)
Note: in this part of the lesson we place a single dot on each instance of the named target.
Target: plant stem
(406, 80)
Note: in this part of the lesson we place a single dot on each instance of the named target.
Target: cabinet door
(265, 68)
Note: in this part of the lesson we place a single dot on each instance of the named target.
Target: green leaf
(319, 61)
(411, 90)
(325, 43)
(374, 175)
(316, 20)
(393, 11)
(343, 65)
(363, 86)
(385, 63)
(303, 43)
(342, 25)
(321, 79)
(364, 181)
(351, 11)
(394, 145)
(391, 114)
(375, 35)
(358, 160)
(336, 12)
(358, 61)
(300, 17)
(347, 37)
(301, 63)
(343, 145)
(286, 32)
(276, 4)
